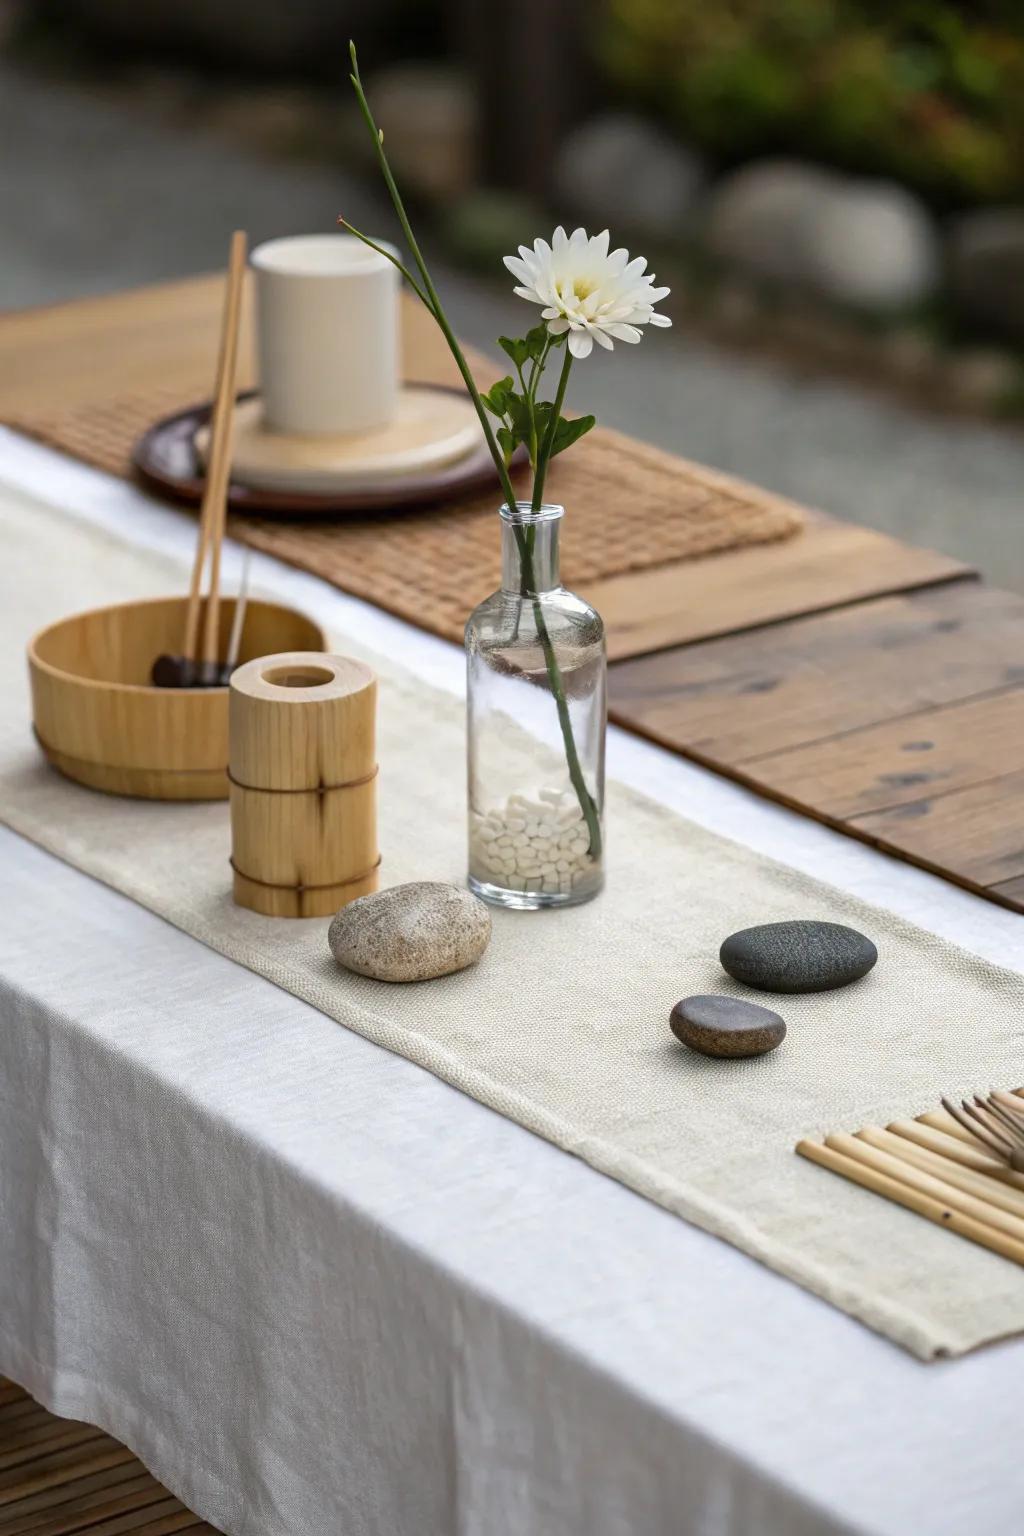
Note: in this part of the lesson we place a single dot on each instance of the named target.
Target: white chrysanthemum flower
(585, 289)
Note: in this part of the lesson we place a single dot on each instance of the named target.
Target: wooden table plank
(827, 566)
(1010, 892)
(741, 696)
(974, 836)
(903, 761)
(900, 721)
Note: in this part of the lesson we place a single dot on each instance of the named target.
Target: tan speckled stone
(411, 932)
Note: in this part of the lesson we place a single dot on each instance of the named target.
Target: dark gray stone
(801, 956)
(726, 1026)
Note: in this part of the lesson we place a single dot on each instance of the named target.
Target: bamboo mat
(114, 366)
(58, 1477)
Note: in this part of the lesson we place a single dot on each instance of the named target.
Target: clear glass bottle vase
(537, 709)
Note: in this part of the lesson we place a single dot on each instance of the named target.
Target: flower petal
(661, 320)
(580, 343)
(624, 332)
(602, 337)
(558, 327)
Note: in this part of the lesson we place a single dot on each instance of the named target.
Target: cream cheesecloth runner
(563, 1026)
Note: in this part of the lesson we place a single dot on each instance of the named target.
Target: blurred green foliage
(924, 90)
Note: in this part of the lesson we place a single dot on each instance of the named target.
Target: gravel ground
(99, 197)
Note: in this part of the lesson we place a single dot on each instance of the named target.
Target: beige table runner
(563, 1026)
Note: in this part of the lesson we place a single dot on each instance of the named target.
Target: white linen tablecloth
(388, 1310)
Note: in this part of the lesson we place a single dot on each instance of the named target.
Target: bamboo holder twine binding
(303, 772)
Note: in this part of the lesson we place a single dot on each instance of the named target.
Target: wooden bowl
(99, 720)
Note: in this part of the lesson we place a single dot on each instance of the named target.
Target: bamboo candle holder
(303, 771)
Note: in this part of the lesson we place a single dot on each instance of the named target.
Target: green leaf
(518, 351)
(535, 341)
(518, 413)
(508, 443)
(496, 398)
(542, 413)
(570, 431)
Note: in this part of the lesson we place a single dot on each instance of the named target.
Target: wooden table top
(873, 685)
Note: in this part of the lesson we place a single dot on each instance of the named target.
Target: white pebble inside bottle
(532, 843)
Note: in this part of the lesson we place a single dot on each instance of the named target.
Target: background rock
(758, 216)
(871, 245)
(863, 244)
(620, 171)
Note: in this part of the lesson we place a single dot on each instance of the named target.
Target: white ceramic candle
(327, 334)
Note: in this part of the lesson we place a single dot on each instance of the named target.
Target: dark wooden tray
(165, 459)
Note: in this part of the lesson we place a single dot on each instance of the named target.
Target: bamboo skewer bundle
(303, 772)
(942, 1169)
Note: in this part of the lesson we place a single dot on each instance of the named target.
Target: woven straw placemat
(629, 507)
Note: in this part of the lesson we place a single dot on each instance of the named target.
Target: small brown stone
(726, 1026)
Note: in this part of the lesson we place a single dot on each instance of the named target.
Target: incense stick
(212, 513)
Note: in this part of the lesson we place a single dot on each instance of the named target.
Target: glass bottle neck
(529, 549)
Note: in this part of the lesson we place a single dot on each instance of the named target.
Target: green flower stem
(382, 250)
(432, 300)
(544, 458)
(429, 297)
(588, 805)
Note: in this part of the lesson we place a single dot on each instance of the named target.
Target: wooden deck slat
(899, 721)
(71, 1483)
(139, 1493)
(21, 1412)
(61, 1467)
(41, 1440)
(114, 1482)
(166, 1514)
(130, 1508)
